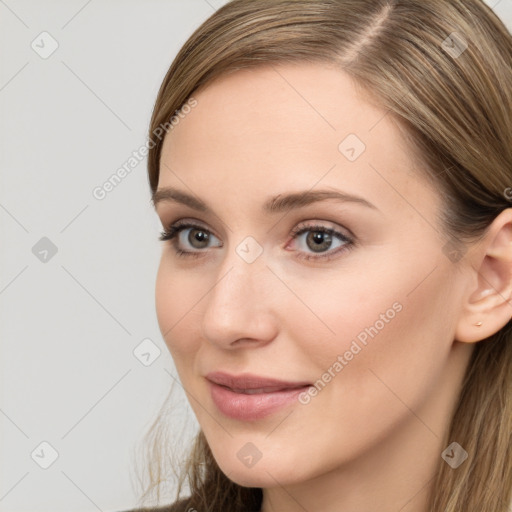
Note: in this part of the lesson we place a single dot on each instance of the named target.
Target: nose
(239, 307)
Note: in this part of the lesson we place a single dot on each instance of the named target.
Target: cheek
(398, 324)
(399, 362)
(175, 297)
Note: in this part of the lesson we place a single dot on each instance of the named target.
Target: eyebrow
(278, 204)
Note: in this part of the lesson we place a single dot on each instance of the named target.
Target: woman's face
(365, 314)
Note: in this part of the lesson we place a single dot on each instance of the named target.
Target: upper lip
(250, 381)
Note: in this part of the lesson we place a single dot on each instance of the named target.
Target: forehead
(281, 104)
(272, 127)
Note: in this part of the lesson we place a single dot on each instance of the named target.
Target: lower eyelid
(326, 256)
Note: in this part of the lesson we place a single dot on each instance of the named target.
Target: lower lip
(252, 407)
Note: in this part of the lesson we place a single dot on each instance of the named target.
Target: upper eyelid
(189, 223)
(184, 224)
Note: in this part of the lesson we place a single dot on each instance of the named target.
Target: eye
(321, 240)
(185, 233)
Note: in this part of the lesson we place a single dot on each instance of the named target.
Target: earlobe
(487, 306)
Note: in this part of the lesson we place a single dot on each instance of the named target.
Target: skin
(374, 434)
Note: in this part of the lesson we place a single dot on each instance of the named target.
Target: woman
(333, 177)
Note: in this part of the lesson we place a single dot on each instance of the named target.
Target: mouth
(257, 391)
(248, 382)
(250, 397)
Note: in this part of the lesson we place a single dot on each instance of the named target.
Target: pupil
(320, 240)
(199, 236)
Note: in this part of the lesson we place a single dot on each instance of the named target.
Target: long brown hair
(453, 104)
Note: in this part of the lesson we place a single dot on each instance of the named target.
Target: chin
(249, 479)
(258, 477)
(264, 473)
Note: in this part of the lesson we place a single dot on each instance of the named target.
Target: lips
(255, 391)
(250, 397)
(251, 384)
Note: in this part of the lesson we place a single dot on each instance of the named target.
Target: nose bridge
(237, 277)
(235, 305)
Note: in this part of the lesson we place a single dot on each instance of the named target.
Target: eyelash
(170, 235)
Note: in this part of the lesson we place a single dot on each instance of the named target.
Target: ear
(488, 298)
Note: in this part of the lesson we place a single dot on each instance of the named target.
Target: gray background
(70, 321)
